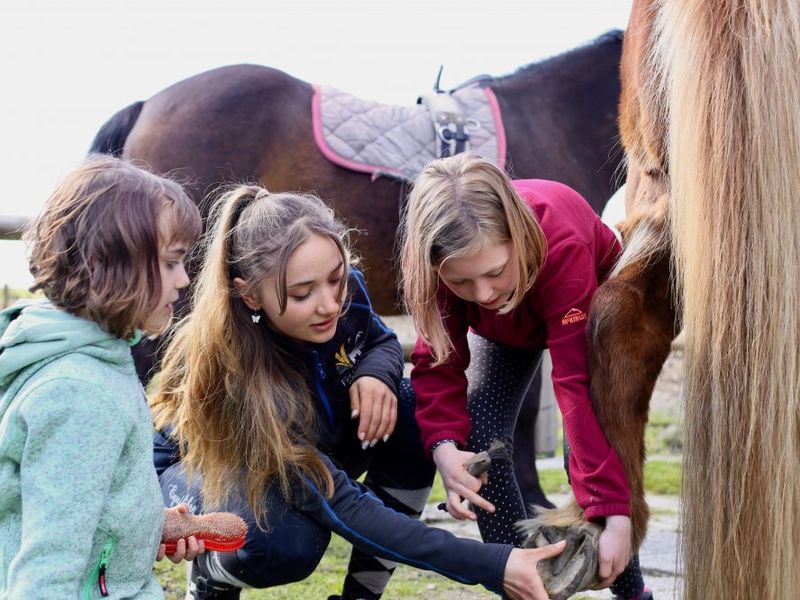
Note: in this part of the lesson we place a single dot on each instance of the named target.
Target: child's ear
(241, 288)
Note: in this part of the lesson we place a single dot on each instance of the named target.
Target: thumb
(552, 549)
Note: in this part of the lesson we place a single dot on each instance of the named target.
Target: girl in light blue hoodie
(81, 513)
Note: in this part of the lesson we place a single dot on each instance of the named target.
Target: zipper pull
(101, 578)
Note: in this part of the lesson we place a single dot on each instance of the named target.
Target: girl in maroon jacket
(494, 272)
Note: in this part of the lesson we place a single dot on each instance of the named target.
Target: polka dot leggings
(498, 378)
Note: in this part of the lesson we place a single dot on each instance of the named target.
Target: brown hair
(239, 404)
(457, 205)
(94, 249)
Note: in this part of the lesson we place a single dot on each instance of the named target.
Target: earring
(256, 317)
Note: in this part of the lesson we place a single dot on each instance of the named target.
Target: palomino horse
(709, 121)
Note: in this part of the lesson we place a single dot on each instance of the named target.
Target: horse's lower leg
(631, 327)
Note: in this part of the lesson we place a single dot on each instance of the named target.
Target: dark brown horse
(249, 122)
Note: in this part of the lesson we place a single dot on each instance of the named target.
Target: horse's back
(218, 125)
(559, 112)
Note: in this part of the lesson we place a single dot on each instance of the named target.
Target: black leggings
(499, 377)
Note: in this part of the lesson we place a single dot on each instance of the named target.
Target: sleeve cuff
(606, 510)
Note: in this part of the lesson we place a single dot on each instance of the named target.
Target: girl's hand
(521, 579)
(614, 552)
(458, 483)
(375, 405)
(186, 549)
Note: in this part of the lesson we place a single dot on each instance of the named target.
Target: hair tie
(262, 193)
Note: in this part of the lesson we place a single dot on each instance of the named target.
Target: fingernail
(372, 443)
(354, 414)
(362, 435)
(364, 445)
(386, 438)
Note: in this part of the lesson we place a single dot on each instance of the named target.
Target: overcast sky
(68, 65)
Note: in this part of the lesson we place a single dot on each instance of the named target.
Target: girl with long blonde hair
(281, 385)
(516, 262)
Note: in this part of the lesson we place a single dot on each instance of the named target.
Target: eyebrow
(484, 274)
(178, 250)
(309, 282)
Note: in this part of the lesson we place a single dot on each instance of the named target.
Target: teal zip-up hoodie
(81, 512)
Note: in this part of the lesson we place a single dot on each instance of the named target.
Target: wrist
(444, 445)
(443, 442)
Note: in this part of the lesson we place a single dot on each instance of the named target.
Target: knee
(282, 555)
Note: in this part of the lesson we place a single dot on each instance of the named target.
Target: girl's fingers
(355, 402)
(375, 420)
(392, 417)
(386, 425)
(457, 509)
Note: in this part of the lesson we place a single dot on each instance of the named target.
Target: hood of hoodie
(35, 332)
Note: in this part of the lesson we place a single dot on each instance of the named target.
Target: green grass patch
(662, 477)
(663, 434)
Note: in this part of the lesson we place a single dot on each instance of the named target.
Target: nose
(183, 278)
(329, 301)
(483, 292)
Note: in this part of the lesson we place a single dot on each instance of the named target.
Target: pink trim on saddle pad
(498, 125)
(327, 151)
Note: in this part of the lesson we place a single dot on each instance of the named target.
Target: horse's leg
(631, 326)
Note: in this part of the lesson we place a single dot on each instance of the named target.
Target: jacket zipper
(321, 391)
(99, 572)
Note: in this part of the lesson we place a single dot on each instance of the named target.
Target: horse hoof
(573, 570)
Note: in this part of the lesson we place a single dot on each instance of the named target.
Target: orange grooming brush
(221, 531)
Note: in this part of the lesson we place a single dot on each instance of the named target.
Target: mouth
(495, 303)
(324, 325)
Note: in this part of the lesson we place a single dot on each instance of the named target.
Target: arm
(596, 473)
(376, 380)
(597, 477)
(441, 409)
(361, 518)
(74, 440)
(382, 356)
(441, 391)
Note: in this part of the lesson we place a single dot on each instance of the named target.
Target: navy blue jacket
(362, 346)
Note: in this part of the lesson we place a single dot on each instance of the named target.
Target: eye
(497, 272)
(300, 298)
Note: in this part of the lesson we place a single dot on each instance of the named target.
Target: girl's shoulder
(563, 214)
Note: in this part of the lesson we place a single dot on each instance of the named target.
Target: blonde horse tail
(733, 97)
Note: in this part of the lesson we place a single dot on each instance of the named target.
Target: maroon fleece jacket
(581, 250)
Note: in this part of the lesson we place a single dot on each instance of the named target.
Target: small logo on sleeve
(574, 315)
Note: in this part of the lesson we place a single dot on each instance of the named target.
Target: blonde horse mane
(732, 75)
